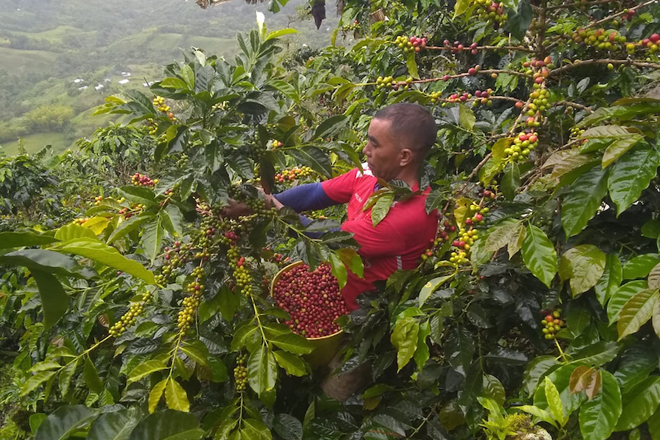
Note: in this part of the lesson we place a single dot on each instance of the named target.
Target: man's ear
(406, 157)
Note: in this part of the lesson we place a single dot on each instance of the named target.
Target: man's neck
(411, 177)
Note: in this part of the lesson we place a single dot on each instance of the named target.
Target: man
(399, 137)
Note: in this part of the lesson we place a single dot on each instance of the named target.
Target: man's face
(382, 151)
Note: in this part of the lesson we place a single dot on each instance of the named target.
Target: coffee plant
(534, 314)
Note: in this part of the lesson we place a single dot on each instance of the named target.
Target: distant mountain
(46, 45)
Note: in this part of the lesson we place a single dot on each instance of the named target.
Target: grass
(57, 34)
(19, 62)
(35, 142)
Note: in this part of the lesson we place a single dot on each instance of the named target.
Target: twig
(572, 104)
(541, 34)
(570, 5)
(618, 14)
(627, 62)
(461, 75)
(468, 48)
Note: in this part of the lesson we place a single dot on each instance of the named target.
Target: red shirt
(397, 242)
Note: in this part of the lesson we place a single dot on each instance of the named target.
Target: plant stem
(628, 62)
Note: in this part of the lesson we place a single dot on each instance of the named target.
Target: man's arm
(308, 197)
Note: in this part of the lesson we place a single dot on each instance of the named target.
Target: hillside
(60, 58)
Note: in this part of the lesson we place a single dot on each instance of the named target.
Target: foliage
(548, 148)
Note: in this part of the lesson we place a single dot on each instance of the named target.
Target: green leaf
(291, 363)
(255, 430)
(493, 389)
(631, 175)
(610, 280)
(561, 379)
(539, 413)
(280, 33)
(584, 266)
(654, 425)
(656, 320)
(520, 21)
(262, 370)
(597, 354)
(640, 266)
(138, 194)
(501, 234)
(54, 300)
(621, 297)
(565, 161)
(91, 376)
(144, 369)
(188, 76)
(288, 427)
(654, 277)
(156, 393)
(314, 158)
(287, 89)
(404, 338)
(72, 231)
(583, 200)
(431, 287)
(598, 416)
(330, 126)
(33, 382)
(536, 370)
(174, 83)
(64, 421)
(152, 238)
(20, 239)
(64, 379)
(176, 397)
(116, 425)
(411, 64)
(635, 365)
(352, 261)
(499, 147)
(637, 311)
(41, 260)
(172, 220)
(381, 208)
(422, 353)
(44, 366)
(554, 401)
(539, 255)
(605, 131)
(293, 343)
(338, 269)
(465, 115)
(618, 148)
(128, 226)
(510, 181)
(639, 403)
(516, 241)
(196, 351)
(460, 7)
(107, 255)
(168, 425)
(36, 420)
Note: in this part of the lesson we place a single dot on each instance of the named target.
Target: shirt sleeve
(308, 197)
(341, 188)
(383, 240)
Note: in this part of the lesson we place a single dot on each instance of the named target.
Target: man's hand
(271, 201)
(235, 209)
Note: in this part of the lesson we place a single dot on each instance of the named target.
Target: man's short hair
(412, 125)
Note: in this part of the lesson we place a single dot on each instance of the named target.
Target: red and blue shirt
(397, 242)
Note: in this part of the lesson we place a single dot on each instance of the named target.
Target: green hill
(46, 45)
